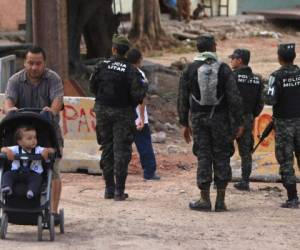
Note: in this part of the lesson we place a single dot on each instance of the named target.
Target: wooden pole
(29, 21)
(50, 33)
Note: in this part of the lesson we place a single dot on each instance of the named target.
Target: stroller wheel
(62, 221)
(40, 228)
(51, 227)
(4, 224)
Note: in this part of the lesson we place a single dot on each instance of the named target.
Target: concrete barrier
(81, 152)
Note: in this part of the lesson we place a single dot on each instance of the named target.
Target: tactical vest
(288, 102)
(113, 88)
(250, 86)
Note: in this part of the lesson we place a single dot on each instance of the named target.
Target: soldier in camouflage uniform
(212, 133)
(118, 88)
(283, 94)
(251, 89)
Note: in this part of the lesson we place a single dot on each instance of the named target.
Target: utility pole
(29, 37)
(50, 33)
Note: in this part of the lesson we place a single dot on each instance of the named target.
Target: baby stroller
(16, 208)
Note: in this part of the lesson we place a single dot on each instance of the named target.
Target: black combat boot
(109, 186)
(203, 204)
(109, 193)
(292, 201)
(119, 194)
(220, 205)
(242, 185)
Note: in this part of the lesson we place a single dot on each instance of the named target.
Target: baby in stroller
(29, 171)
(29, 148)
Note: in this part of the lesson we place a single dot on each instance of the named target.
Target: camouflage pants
(115, 130)
(245, 145)
(287, 143)
(213, 148)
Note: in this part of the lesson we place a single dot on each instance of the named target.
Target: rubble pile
(222, 27)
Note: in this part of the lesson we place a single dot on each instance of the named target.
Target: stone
(170, 126)
(173, 149)
(158, 126)
(159, 137)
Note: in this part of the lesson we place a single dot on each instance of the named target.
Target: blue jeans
(142, 140)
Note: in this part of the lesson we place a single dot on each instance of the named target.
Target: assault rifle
(264, 135)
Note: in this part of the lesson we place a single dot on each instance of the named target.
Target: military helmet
(120, 40)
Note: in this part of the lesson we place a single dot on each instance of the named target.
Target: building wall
(12, 13)
(246, 5)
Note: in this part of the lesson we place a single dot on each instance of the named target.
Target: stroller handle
(35, 110)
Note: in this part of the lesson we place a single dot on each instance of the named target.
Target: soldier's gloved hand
(187, 134)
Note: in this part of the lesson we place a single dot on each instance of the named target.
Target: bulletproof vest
(207, 91)
(250, 86)
(113, 88)
(288, 102)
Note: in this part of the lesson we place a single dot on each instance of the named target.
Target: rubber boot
(292, 201)
(109, 186)
(220, 205)
(203, 204)
(119, 194)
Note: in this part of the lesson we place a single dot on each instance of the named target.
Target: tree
(95, 20)
(146, 30)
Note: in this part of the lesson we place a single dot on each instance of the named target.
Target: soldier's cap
(206, 38)
(120, 40)
(243, 54)
(286, 49)
(205, 41)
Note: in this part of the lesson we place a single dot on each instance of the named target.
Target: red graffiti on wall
(71, 114)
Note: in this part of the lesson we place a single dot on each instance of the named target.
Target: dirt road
(156, 216)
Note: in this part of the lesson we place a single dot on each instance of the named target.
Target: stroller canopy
(42, 122)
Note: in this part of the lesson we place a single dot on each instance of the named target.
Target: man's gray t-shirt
(26, 95)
